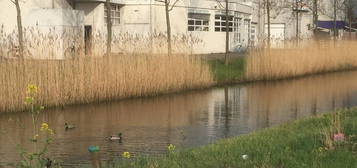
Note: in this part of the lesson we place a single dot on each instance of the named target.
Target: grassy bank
(291, 61)
(232, 72)
(302, 143)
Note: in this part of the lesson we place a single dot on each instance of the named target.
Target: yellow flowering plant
(171, 148)
(126, 155)
(37, 156)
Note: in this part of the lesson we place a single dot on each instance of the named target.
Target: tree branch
(220, 4)
(173, 5)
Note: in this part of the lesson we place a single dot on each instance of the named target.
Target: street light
(299, 7)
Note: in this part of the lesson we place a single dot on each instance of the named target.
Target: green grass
(227, 73)
(296, 144)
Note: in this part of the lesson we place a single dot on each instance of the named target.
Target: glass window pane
(190, 28)
(191, 22)
(198, 28)
(198, 22)
(217, 29)
(217, 23)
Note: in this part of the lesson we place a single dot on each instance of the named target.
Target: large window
(220, 23)
(252, 33)
(115, 14)
(198, 22)
(237, 28)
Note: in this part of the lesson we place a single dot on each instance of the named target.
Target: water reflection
(186, 120)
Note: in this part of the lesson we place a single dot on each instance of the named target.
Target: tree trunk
(227, 34)
(259, 22)
(334, 19)
(168, 27)
(349, 8)
(315, 17)
(109, 28)
(19, 29)
(268, 18)
(297, 20)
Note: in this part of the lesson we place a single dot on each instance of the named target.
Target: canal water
(188, 119)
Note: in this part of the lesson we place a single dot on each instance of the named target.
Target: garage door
(277, 34)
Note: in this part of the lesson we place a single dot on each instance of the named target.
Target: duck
(68, 126)
(115, 137)
(48, 163)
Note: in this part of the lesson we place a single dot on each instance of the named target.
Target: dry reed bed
(96, 79)
(293, 61)
(55, 61)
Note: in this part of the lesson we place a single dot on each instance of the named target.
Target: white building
(202, 20)
(285, 25)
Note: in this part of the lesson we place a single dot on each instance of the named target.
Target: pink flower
(338, 137)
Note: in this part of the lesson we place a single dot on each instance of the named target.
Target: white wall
(49, 19)
(8, 10)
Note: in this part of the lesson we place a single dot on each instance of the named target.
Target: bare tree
(273, 9)
(19, 28)
(350, 7)
(338, 9)
(299, 8)
(109, 28)
(268, 5)
(315, 16)
(168, 8)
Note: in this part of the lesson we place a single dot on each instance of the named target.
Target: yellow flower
(31, 89)
(44, 127)
(321, 149)
(171, 147)
(50, 131)
(126, 155)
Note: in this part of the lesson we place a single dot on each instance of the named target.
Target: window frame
(115, 14)
(221, 20)
(197, 24)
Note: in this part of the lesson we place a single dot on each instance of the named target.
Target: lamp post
(298, 8)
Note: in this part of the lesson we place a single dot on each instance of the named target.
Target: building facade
(294, 19)
(199, 22)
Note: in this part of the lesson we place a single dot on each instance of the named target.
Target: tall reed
(80, 78)
(307, 58)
